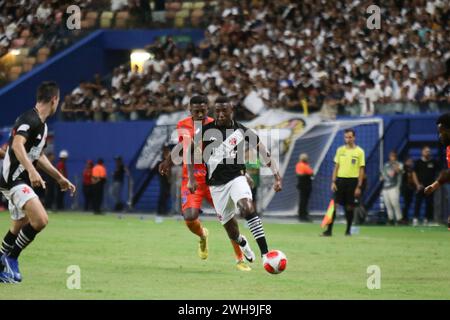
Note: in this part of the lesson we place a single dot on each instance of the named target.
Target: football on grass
(275, 261)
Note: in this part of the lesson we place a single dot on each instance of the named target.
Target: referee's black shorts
(345, 194)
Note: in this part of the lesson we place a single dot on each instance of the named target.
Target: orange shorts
(194, 200)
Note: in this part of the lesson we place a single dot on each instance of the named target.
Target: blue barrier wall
(93, 140)
(99, 52)
(126, 39)
(410, 129)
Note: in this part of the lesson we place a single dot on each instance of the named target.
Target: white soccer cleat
(247, 251)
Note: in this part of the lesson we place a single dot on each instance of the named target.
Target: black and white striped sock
(7, 243)
(256, 228)
(26, 235)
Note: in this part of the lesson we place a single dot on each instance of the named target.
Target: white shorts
(17, 197)
(226, 197)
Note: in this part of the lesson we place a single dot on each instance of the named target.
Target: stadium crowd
(309, 56)
(34, 24)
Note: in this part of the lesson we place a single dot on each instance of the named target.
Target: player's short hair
(46, 91)
(198, 100)
(222, 99)
(444, 120)
(350, 130)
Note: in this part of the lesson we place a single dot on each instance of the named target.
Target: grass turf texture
(131, 258)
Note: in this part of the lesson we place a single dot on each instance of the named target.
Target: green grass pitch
(133, 258)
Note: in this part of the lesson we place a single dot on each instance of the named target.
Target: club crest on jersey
(26, 190)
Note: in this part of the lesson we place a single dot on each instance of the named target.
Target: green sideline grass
(132, 258)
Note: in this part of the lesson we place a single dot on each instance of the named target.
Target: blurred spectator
(369, 95)
(117, 5)
(88, 186)
(51, 187)
(62, 168)
(118, 181)
(427, 169)
(304, 185)
(99, 175)
(44, 11)
(145, 12)
(164, 185)
(409, 186)
(392, 178)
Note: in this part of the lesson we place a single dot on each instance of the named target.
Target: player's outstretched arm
(271, 163)
(45, 165)
(18, 147)
(444, 177)
(192, 183)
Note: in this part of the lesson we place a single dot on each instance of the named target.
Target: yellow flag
(329, 215)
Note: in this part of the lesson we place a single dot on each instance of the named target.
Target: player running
(443, 127)
(19, 176)
(222, 144)
(192, 202)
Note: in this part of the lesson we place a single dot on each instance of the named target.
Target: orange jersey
(448, 157)
(185, 129)
(302, 168)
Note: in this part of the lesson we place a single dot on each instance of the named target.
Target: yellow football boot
(203, 245)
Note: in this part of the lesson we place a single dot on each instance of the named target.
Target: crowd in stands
(36, 29)
(300, 56)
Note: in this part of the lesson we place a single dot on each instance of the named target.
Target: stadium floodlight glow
(14, 52)
(138, 58)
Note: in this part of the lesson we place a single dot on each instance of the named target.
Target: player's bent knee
(191, 214)
(36, 214)
(245, 207)
(39, 223)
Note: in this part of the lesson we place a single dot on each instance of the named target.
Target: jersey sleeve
(363, 159)
(25, 127)
(336, 156)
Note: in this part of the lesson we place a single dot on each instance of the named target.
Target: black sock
(8, 243)
(26, 235)
(257, 230)
(241, 241)
(349, 217)
(330, 226)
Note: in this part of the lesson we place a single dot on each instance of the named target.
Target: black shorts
(345, 194)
